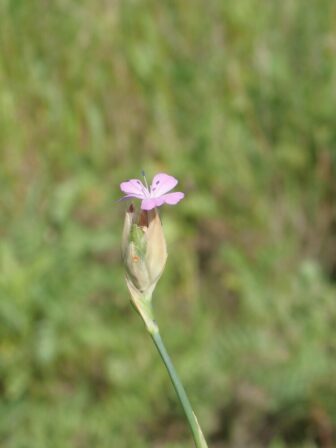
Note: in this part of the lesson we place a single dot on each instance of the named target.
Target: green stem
(191, 417)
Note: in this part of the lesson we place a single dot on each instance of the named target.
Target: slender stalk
(189, 413)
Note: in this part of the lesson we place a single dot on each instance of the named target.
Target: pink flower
(156, 195)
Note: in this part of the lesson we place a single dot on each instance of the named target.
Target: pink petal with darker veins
(133, 187)
(162, 183)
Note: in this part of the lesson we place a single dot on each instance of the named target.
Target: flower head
(156, 195)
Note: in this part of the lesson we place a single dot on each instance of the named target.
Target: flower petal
(129, 196)
(148, 203)
(162, 183)
(134, 188)
(170, 198)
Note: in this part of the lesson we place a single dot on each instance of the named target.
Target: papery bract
(144, 250)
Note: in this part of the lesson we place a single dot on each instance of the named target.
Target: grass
(234, 98)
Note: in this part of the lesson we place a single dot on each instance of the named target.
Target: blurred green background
(236, 99)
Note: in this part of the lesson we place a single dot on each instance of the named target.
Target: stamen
(147, 192)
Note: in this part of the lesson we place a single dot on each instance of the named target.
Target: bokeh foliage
(237, 99)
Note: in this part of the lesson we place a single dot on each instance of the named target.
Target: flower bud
(144, 251)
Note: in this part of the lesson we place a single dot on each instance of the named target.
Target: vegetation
(235, 98)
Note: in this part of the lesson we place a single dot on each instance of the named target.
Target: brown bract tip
(143, 220)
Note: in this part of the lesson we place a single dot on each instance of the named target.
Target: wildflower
(156, 195)
(144, 254)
